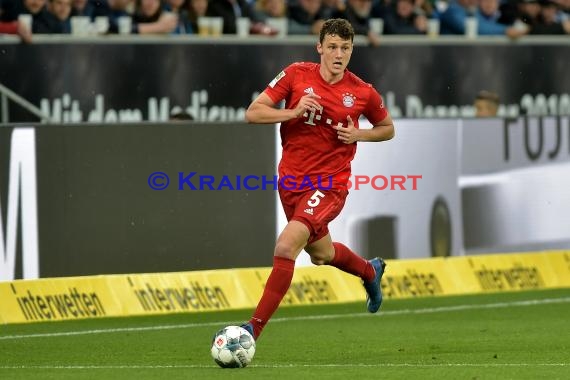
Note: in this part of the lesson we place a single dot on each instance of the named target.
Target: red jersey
(311, 147)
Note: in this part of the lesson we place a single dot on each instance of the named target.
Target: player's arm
(262, 110)
(381, 131)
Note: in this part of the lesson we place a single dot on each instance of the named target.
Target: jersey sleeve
(375, 110)
(281, 85)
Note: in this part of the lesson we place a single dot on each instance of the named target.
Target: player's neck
(329, 77)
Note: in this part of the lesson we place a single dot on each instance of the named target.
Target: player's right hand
(309, 103)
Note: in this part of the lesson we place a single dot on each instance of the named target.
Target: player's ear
(320, 49)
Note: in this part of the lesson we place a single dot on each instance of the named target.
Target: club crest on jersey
(348, 99)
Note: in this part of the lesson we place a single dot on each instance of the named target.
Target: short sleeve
(279, 88)
(375, 110)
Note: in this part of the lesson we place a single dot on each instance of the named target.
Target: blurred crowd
(370, 18)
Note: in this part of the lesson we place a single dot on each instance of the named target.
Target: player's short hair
(339, 27)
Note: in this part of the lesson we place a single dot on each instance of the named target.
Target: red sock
(348, 261)
(277, 285)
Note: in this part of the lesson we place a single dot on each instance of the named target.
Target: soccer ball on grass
(233, 347)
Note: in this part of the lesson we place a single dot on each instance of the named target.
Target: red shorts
(314, 208)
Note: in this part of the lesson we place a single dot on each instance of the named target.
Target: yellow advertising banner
(310, 285)
(53, 299)
(180, 292)
(507, 272)
(57, 299)
(560, 264)
(417, 278)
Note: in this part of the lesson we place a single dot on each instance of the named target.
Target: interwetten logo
(195, 181)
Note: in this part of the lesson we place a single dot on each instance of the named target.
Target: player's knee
(282, 249)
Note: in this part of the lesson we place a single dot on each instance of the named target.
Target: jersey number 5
(315, 199)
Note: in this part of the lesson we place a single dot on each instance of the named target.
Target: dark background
(128, 74)
(97, 214)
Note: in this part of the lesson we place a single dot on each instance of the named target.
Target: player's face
(335, 53)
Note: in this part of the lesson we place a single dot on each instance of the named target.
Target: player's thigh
(317, 208)
(322, 205)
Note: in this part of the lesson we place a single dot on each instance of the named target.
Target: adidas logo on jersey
(309, 90)
(308, 211)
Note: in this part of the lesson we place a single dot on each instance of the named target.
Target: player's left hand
(348, 134)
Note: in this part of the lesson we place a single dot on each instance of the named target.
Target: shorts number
(315, 199)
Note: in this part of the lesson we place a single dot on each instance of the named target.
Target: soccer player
(319, 132)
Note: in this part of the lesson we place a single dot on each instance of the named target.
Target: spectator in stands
(380, 8)
(424, 7)
(528, 12)
(266, 9)
(196, 8)
(405, 18)
(334, 7)
(43, 22)
(306, 16)
(147, 11)
(81, 8)
(114, 9)
(486, 104)
(12, 25)
(453, 19)
(489, 10)
(61, 9)
(17, 28)
(564, 5)
(271, 8)
(151, 12)
(357, 12)
(178, 8)
(508, 11)
(549, 22)
(230, 10)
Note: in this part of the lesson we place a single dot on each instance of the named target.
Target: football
(233, 347)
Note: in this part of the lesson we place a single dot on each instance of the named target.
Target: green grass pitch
(523, 335)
